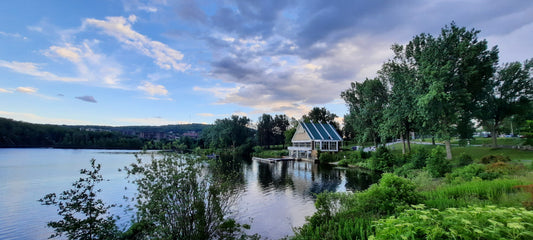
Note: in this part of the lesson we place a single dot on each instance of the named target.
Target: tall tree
(265, 135)
(366, 102)
(510, 93)
(454, 69)
(321, 115)
(228, 132)
(400, 114)
(281, 123)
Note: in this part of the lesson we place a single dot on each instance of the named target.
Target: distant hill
(22, 134)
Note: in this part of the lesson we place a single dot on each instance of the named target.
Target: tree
(454, 70)
(228, 132)
(510, 93)
(181, 200)
(84, 216)
(265, 125)
(281, 123)
(321, 115)
(366, 102)
(400, 114)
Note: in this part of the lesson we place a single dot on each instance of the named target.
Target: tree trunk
(433, 140)
(448, 149)
(494, 135)
(403, 143)
(408, 143)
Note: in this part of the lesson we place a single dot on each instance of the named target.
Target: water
(275, 197)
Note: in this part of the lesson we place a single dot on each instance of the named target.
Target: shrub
(343, 163)
(469, 172)
(505, 168)
(494, 158)
(419, 158)
(383, 160)
(437, 165)
(326, 157)
(406, 170)
(489, 222)
(464, 159)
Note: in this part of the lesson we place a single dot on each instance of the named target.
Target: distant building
(310, 138)
(191, 134)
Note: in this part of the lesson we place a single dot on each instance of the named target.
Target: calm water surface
(275, 197)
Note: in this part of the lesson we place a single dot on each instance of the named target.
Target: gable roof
(321, 131)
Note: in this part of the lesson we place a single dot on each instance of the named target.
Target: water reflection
(278, 196)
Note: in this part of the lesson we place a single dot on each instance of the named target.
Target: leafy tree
(366, 102)
(228, 132)
(400, 114)
(265, 135)
(436, 163)
(281, 123)
(181, 200)
(454, 69)
(84, 216)
(510, 93)
(321, 115)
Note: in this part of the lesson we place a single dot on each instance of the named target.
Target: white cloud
(2, 90)
(13, 35)
(97, 68)
(26, 90)
(206, 114)
(120, 28)
(153, 89)
(32, 69)
(33, 118)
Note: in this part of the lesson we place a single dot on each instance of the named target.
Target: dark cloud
(87, 99)
(189, 10)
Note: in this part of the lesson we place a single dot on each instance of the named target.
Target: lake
(275, 197)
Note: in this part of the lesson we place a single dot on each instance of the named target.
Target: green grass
(476, 153)
(501, 141)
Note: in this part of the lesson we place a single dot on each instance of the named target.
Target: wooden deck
(272, 160)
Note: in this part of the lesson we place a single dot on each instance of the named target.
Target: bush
(405, 171)
(437, 165)
(348, 216)
(464, 159)
(383, 160)
(326, 157)
(419, 158)
(467, 173)
(488, 222)
(494, 158)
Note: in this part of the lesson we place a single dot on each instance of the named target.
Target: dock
(272, 160)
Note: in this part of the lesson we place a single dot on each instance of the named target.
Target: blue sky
(156, 62)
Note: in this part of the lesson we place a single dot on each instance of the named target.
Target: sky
(159, 62)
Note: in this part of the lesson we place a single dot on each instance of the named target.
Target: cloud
(2, 90)
(87, 99)
(120, 28)
(26, 90)
(153, 89)
(33, 118)
(13, 35)
(32, 69)
(96, 68)
(206, 114)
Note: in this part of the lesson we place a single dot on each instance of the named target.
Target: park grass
(475, 152)
(511, 141)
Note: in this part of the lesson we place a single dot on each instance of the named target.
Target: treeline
(443, 86)
(22, 134)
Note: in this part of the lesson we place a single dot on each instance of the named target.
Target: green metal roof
(321, 131)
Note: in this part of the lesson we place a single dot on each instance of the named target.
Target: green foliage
(327, 157)
(488, 222)
(228, 133)
(464, 159)
(383, 160)
(347, 216)
(437, 165)
(494, 158)
(419, 158)
(180, 200)
(270, 130)
(321, 115)
(467, 173)
(84, 215)
(473, 192)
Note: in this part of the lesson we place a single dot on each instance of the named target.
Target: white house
(310, 138)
